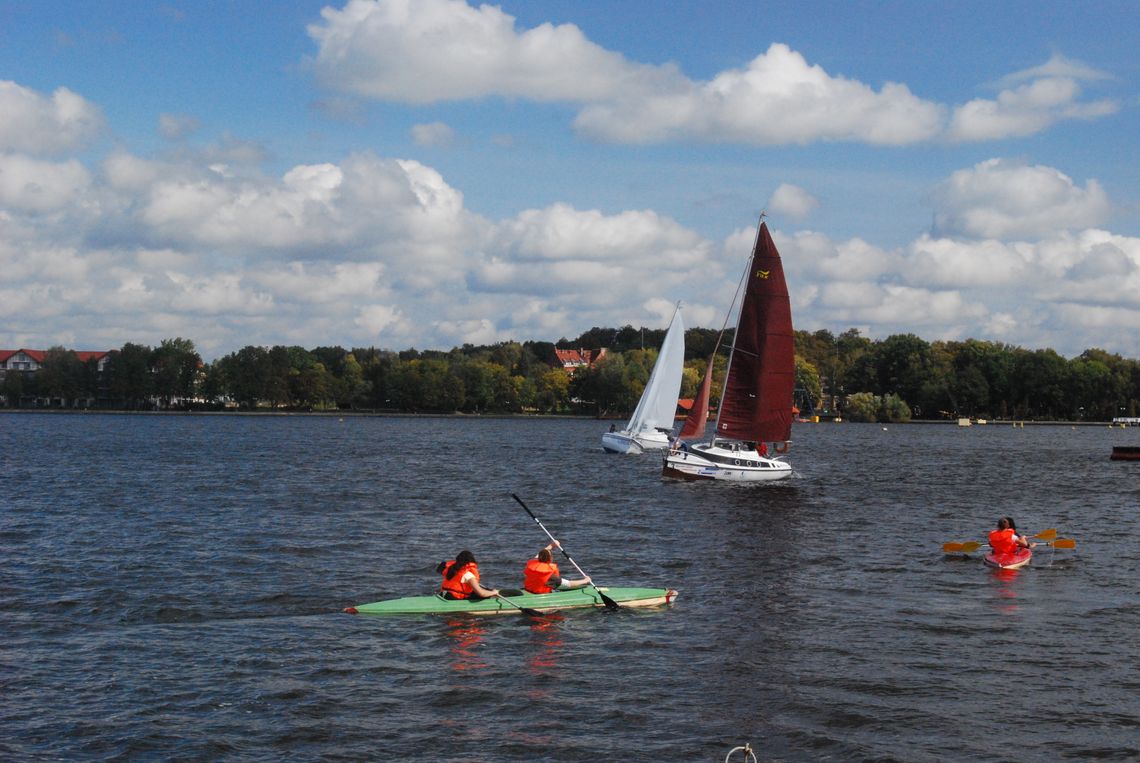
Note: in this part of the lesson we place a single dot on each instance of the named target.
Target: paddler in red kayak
(1005, 540)
(461, 579)
(541, 573)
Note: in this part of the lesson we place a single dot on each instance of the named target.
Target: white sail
(657, 408)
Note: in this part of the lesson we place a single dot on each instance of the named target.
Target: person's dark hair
(1004, 523)
(544, 555)
(463, 558)
(1012, 526)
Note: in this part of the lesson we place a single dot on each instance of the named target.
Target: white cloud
(34, 185)
(423, 51)
(376, 251)
(777, 99)
(1032, 100)
(427, 51)
(436, 134)
(791, 201)
(1003, 199)
(35, 124)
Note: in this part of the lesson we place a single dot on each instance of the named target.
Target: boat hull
(1012, 561)
(727, 464)
(627, 442)
(1125, 453)
(575, 598)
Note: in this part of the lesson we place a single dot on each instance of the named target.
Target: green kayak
(576, 598)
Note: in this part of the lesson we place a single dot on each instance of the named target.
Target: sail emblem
(763, 274)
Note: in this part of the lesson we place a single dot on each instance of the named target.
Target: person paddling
(541, 573)
(1005, 540)
(461, 578)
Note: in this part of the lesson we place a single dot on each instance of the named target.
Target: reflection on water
(546, 643)
(466, 635)
(1006, 603)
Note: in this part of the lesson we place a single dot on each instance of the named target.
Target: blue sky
(430, 173)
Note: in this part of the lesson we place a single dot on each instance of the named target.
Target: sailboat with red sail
(756, 404)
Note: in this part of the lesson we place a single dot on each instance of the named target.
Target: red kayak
(1010, 561)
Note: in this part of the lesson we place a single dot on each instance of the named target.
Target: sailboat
(651, 426)
(756, 404)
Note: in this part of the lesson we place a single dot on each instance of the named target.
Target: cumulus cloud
(1031, 101)
(38, 124)
(423, 51)
(1001, 199)
(368, 250)
(428, 51)
(1024, 292)
(791, 201)
(436, 134)
(777, 99)
(34, 185)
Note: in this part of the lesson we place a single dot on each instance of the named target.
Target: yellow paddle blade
(1049, 534)
(1063, 543)
(971, 546)
(960, 548)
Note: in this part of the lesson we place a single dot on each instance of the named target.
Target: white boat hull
(626, 442)
(723, 462)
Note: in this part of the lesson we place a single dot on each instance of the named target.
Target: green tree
(862, 407)
(552, 394)
(176, 364)
(808, 384)
(131, 381)
(62, 375)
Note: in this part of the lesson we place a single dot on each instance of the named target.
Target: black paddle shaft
(610, 603)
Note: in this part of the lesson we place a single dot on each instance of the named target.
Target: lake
(173, 588)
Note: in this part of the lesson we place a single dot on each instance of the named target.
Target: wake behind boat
(577, 598)
(651, 425)
(756, 405)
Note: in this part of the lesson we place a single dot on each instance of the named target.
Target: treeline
(894, 379)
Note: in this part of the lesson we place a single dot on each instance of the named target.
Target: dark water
(172, 588)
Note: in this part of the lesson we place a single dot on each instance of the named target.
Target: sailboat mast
(736, 331)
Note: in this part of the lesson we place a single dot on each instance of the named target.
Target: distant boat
(756, 405)
(1125, 453)
(651, 425)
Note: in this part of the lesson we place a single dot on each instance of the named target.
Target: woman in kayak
(541, 573)
(1005, 540)
(461, 579)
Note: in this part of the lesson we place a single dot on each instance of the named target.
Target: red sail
(699, 413)
(757, 402)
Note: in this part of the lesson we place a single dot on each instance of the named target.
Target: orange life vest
(535, 575)
(1003, 541)
(455, 585)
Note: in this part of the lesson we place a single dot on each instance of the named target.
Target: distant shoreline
(568, 416)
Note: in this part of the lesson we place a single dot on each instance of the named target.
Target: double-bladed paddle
(610, 603)
(1045, 535)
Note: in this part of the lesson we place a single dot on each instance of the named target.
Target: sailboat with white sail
(756, 404)
(651, 426)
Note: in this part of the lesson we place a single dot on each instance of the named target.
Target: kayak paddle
(610, 603)
(525, 610)
(1062, 543)
(973, 545)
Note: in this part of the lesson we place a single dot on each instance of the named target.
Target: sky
(430, 173)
